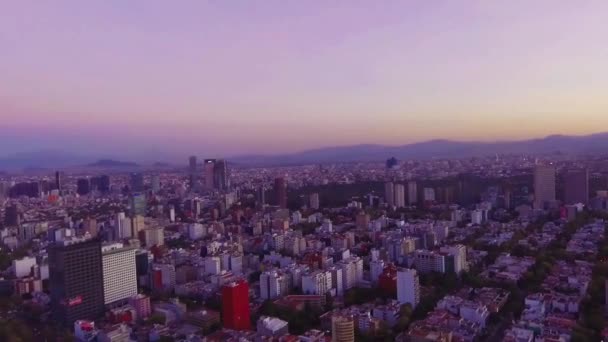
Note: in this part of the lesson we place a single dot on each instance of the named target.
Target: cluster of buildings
(106, 255)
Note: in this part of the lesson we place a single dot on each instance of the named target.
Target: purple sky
(238, 77)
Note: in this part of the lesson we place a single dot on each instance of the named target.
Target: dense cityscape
(503, 248)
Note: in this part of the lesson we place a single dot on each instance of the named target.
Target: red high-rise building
(388, 279)
(235, 305)
(280, 192)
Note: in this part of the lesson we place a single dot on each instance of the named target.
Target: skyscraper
(576, 186)
(59, 180)
(408, 287)
(235, 305)
(11, 215)
(314, 201)
(83, 186)
(412, 192)
(76, 281)
(544, 185)
(155, 184)
(192, 171)
(209, 168)
(138, 204)
(389, 193)
(260, 196)
(137, 182)
(119, 273)
(104, 183)
(280, 192)
(399, 195)
(220, 175)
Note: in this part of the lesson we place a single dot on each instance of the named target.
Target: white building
(408, 287)
(23, 266)
(314, 201)
(429, 194)
(212, 265)
(352, 271)
(389, 194)
(273, 284)
(196, 231)
(154, 236)
(316, 283)
(412, 192)
(376, 267)
(477, 216)
(399, 195)
(459, 252)
(119, 272)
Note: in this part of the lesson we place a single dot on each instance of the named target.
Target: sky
(135, 78)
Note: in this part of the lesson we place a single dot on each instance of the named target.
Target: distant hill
(595, 143)
(109, 163)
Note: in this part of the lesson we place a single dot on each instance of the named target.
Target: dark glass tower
(76, 281)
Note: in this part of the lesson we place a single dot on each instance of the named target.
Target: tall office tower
(342, 328)
(314, 201)
(576, 186)
(155, 184)
(235, 305)
(280, 192)
(122, 227)
(83, 186)
(260, 196)
(4, 187)
(389, 193)
(137, 182)
(192, 164)
(104, 183)
(76, 281)
(11, 215)
(59, 180)
(209, 168)
(119, 273)
(138, 204)
(391, 163)
(544, 185)
(399, 195)
(192, 172)
(408, 287)
(142, 267)
(220, 175)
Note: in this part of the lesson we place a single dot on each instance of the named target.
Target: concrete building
(23, 267)
(412, 192)
(272, 326)
(316, 283)
(576, 186)
(408, 287)
(544, 185)
(399, 195)
(342, 328)
(154, 236)
(314, 201)
(119, 272)
(389, 194)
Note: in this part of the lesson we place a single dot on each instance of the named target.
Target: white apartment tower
(119, 272)
(408, 287)
(399, 195)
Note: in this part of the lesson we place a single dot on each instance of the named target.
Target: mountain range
(593, 144)
(587, 144)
